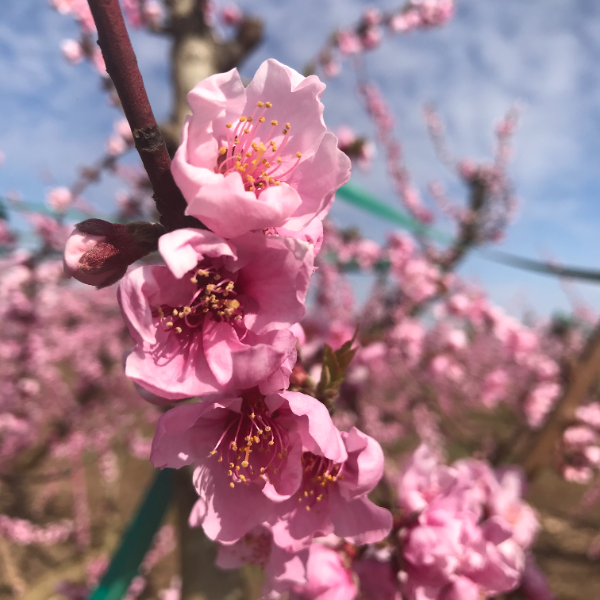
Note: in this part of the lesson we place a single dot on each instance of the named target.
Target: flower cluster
(462, 532)
(219, 321)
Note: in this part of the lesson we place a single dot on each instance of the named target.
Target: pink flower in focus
(72, 51)
(282, 569)
(328, 577)
(247, 454)
(215, 318)
(98, 252)
(333, 496)
(258, 157)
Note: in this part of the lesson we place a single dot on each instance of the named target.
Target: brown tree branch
(122, 67)
(581, 377)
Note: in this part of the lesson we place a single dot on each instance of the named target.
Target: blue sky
(53, 117)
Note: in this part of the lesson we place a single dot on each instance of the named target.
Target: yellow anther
(267, 428)
(271, 443)
(246, 130)
(262, 469)
(178, 329)
(193, 280)
(260, 104)
(213, 452)
(249, 119)
(243, 478)
(262, 119)
(285, 132)
(202, 273)
(256, 439)
(298, 154)
(230, 472)
(260, 432)
(236, 140)
(222, 150)
(280, 455)
(237, 467)
(160, 311)
(274, 123)
(175, 312)
(229, 125)
(231, 485)
(220, 459)
(231, 465)
(242, 119)
(186, 310)
(306, 494)
(279, 161)
(248, 154)
(320, 497)
(288, 126)
(308, 508)
(268, 104)
(169, 324)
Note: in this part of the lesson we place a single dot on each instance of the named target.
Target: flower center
(319, 475)
(258, 158)
(215, 294)
(253, 445)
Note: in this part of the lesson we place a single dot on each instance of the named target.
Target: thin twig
(123, 69)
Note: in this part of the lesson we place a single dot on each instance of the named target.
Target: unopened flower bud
(98, 252)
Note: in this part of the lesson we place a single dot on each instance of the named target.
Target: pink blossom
(328, 577)
(282, 569)
(371, 37)
(331, 68)
(59, 199)
(590, 414)
(215, 318)
(506, 501)
(98, 252)
(423, 479)
(72, 51)
(247, 454)
(540, 401)
(232, 15)
(332, 497)
(495, 386)
(116, 145)
(289, 165)
(152, 12)
(348, 43)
